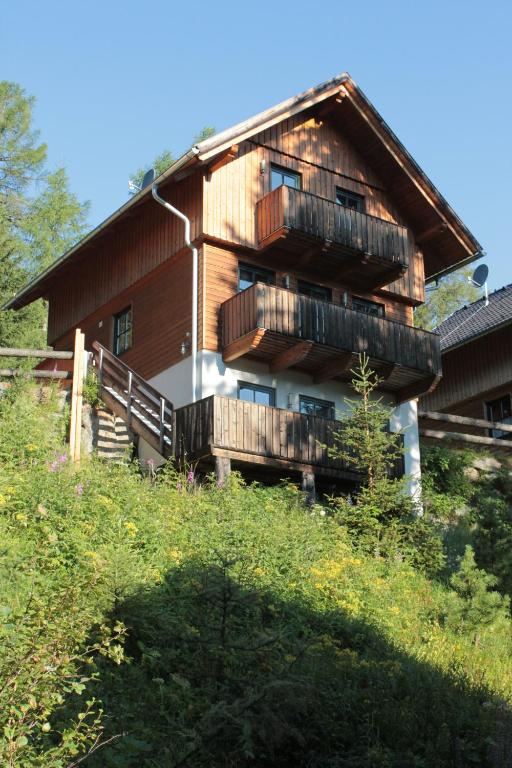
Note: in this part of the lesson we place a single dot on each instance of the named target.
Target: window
(254, 393)
(123, 331)
(500, 410)
(248, 275)
(350, 199)
(314, 291)
(280, 176)
(370, 307)
(313, 407)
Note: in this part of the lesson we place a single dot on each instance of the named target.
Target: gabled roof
(446, 242)
(476, 319)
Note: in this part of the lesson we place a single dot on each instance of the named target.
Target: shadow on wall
(223, 674)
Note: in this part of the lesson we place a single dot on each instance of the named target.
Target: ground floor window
(255, 393)
(123, 323)
(314, 407)
(500, 410)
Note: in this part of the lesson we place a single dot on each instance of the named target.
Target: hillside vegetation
(152, 621)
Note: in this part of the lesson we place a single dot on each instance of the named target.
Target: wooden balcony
(327, 236)
(249, 433)
(288, 330)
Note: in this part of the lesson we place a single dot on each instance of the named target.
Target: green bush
(161, 622)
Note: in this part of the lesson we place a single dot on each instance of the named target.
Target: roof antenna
(148, 179)
(479, 279)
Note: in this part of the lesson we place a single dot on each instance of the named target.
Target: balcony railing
(263, 321)
(253, 433)
(288, 212)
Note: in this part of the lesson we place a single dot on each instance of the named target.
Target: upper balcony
(289, 330)
(366, 251)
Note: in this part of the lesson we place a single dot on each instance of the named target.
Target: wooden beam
(290, 356)
(428, 234)
(44, 353)
(330, 105)
(386, 371)
(461, 437)
(452, 418)
(335, 367)
(417, 388)
(34, 374)
(225, 158)
(243, 345)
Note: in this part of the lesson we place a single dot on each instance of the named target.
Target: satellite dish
(480, 275)
(149, 178)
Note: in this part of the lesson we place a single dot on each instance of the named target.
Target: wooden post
(308, 486)
(75, 429)
(222, 469)
(162, 425)
(129, 400)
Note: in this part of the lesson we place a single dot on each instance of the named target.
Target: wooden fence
(76, 378)
(464, 421)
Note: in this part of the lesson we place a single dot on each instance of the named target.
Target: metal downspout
(188, 243)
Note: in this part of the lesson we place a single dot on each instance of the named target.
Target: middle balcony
(289, 330)
(315, 232)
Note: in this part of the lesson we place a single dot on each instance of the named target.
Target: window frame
(256, 388)
(498, 433)
(381, 313)
(314, 286)
(128, 310)
(359, 199)
(316, 401)
(255, 269)
(284, 171)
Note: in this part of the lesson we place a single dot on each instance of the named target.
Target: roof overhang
(446, 242)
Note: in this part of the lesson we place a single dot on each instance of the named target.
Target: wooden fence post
(75, 429)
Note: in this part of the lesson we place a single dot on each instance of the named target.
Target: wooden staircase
(143, 409)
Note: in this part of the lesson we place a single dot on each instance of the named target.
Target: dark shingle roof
(476, 319)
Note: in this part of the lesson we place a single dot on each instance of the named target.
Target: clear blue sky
(117, 82)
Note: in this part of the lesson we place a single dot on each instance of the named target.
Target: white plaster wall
(406, 418)
(175, 383)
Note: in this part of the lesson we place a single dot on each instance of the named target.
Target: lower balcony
(248, 433)
(288, 330)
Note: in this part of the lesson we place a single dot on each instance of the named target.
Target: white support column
(405, 418)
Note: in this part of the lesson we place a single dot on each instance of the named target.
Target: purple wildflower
(179, 487)
(53, 466)
(190, 476)
(150, 463)
(62, 458)
(79, 489)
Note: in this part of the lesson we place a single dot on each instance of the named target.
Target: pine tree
(480, 606)
(39, 217)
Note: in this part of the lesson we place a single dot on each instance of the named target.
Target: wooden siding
(123, 256)
(325, 160)
(221, 269)
(161, 307)
(471, 371)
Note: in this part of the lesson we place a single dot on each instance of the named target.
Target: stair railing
(146, 411)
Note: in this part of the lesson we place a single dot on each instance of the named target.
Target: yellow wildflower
(10, 490)
(31, 447)
(131, 528)
(175, 555)
(3, 500)
(21, 517)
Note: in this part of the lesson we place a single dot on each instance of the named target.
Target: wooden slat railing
(146, 411)
(325, 219)
(220, 423)
(301, 317)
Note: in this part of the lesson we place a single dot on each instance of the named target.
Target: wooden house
(474, 398)
(316, 231)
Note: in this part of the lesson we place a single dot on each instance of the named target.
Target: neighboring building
(316, 231)
(476, 346)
